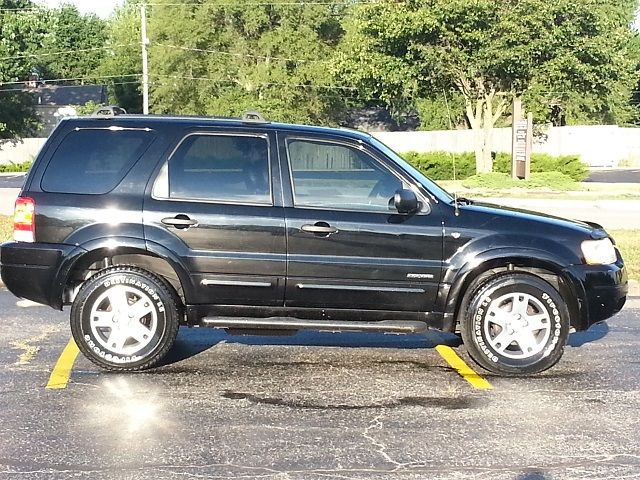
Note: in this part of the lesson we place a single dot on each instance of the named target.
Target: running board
(283, 323)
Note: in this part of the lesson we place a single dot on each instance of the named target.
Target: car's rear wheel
(515, 324)
(125, 319)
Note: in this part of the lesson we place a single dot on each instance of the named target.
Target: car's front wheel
(515, 324)
(125, 319)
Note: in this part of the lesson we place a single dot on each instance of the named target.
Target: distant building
(53, 102)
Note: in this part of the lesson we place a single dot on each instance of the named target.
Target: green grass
(6, 228)
(627, 240)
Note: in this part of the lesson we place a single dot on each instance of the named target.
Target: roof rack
(108, 111)
(253, 117)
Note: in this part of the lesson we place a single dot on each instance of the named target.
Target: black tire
(103, 297)
(507, 341)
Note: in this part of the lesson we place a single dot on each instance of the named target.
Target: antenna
(453, 156)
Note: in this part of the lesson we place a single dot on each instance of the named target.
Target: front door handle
(179, 221)
(320, 228)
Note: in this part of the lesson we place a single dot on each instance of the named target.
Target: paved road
(617, 175)
(381, 406)
(12, 181)
(612, 214)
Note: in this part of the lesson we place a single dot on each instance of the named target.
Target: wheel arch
(474, 273)
(99, 254)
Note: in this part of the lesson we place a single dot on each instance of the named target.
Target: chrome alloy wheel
(517, 325)
(123, 320)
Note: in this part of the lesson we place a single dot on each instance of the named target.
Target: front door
(213, 204)
(347, 245)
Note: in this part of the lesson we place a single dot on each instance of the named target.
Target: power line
(264, 4)
(215, 4)
(248, 55)
(78, 79)
(235, 82)
(65, 52)
(67, 86)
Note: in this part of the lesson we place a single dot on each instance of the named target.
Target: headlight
(599, 252)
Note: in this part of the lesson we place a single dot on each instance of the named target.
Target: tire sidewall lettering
(132, 282)
(480, 312)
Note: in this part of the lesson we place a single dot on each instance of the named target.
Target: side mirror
(405, 201)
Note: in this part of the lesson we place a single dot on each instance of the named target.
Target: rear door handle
(322, 228)
(179, 221)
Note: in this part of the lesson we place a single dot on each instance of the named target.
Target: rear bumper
(603, 292)
(30, 270)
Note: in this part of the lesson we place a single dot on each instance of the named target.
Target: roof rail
(108, 111)
(253, 117)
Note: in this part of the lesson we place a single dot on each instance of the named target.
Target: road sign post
(522, 142)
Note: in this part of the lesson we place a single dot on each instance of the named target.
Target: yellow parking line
(62, 371)
(465, 371)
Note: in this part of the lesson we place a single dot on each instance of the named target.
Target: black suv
(145, 223)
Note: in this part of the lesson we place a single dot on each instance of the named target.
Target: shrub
(15, 167)
(498, 180)
(439, 165)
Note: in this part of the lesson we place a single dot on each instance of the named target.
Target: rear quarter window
(94, 161)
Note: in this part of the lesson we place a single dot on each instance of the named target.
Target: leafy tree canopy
(487, 50)
(224, 57)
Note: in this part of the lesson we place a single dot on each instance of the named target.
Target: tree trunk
(482, 118)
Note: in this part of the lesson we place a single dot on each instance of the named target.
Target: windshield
(436, 190)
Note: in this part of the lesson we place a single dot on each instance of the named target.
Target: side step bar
(283, 323)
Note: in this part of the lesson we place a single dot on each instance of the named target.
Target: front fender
(461, 269)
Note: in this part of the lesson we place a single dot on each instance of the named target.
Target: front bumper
(30, 270)
(602, 290)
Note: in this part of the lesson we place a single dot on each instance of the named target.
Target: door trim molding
(234, 283)
(361, 288)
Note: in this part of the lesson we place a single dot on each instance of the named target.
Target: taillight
(24, 220)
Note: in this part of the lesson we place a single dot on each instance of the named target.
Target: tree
(225, 57)
(82, 36)
(123, 61)
(488, 50)
(19, 34)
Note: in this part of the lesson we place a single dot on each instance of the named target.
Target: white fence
(21, 151)
(598, 146)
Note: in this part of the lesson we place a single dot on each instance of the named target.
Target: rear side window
(94, 161)
(219, 168)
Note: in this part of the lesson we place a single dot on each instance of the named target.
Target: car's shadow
(596, 332)
(192, 341)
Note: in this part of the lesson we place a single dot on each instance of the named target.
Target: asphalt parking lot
(314, 406)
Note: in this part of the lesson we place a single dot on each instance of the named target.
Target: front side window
(219, 168)
(330, 175)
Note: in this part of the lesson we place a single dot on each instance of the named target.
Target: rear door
(348, 248)
(215, 204)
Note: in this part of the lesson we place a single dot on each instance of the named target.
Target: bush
(497, 180)
(439, 165)
(15, 167)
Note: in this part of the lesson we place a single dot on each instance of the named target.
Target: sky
(102, 8)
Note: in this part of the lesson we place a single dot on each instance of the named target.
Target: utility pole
(145, 61)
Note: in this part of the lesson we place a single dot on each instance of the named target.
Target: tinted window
(94, 160)
(221, 168)
(336, 176)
